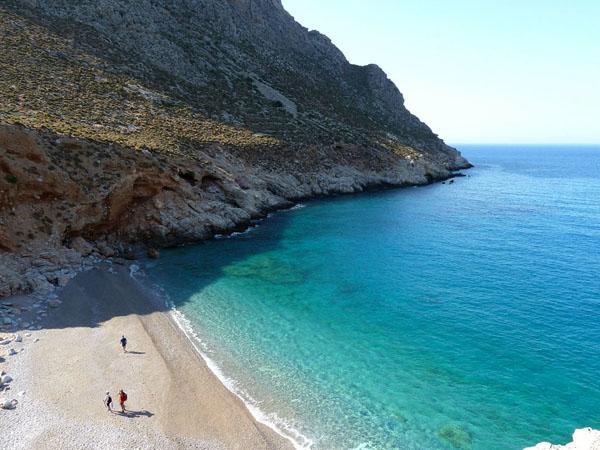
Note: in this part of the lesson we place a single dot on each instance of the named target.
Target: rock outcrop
(583, 439)
(129, 126)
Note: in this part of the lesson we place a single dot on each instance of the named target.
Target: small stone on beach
(8, 404)
(6, 379)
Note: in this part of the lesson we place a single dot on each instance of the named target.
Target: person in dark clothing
(108, 402)
(124, 343)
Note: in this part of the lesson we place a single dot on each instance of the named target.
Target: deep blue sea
(451, 316)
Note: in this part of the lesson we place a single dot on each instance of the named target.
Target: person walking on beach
(108, 402)
(124, 343)
(122, 399)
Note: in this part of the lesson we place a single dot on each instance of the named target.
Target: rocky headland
(130, 126)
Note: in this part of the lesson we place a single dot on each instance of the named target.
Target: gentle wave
(236, 233)
(273, 421)
(256, 225)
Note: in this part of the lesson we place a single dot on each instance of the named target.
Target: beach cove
(424, 318)
(258, 224)
(432, 344)
(63, 371)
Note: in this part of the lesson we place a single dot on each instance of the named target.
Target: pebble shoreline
(55, 377)
(11, 347)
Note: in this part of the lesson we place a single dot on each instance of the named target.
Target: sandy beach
(61, 374)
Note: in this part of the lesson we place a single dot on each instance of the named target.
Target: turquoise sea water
(462, 315)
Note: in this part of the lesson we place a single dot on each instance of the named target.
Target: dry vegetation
(47, 84)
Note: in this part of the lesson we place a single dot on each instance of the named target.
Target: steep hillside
(247, 63)
(127, 125)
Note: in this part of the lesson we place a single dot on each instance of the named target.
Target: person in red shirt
(122, 399)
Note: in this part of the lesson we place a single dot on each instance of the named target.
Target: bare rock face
(583, 439)
(104, 205)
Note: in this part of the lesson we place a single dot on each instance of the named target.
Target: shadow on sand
(135, 414)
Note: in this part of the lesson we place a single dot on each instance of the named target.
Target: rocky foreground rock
(583, 439)
(129, 126)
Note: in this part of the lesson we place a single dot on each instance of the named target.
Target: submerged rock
(268, 268)
(456, 435)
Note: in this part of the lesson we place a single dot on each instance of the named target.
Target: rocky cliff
(127, 125)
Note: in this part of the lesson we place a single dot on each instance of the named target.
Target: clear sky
(501, 71)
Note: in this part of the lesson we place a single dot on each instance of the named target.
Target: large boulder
(82, 246)
(105, 250)
(583, 439)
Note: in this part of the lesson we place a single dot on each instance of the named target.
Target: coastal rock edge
(583, 439)
(129, 127)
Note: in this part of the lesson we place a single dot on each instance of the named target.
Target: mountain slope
(153, 123)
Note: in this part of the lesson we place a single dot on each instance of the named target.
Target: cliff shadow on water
(101, 294)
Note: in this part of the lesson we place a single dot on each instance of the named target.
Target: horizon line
(531, 144)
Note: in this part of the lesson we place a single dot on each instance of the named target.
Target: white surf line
(297, 439)
(253, 227)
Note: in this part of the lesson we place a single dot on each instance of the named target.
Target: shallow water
(462, 315)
